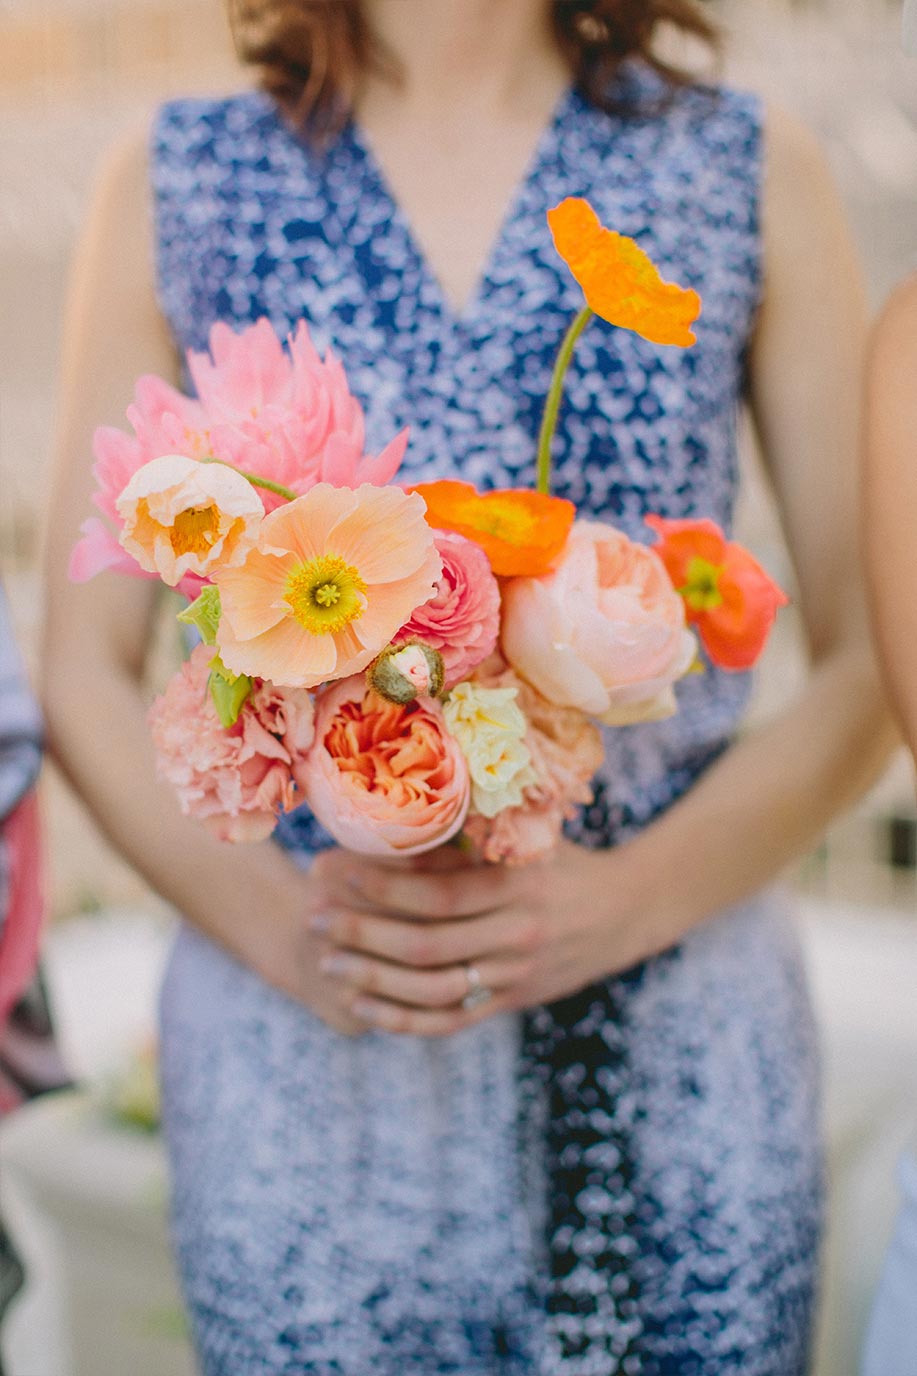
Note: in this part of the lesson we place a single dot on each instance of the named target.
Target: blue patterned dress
(629, 1181)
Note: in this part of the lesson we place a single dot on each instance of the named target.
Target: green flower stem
(555, 392)
(286, 493)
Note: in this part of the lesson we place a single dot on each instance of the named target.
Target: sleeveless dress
(631, 1180)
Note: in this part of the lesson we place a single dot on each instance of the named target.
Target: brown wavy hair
(311, 53)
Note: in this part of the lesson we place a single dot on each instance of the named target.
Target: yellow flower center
(194, 531)
(702, 585)
(504, 520)
(325, 594)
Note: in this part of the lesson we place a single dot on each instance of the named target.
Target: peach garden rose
(382, 778)
(604, 632)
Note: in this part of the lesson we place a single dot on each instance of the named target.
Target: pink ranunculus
(235, 781)
(604, 632)
(462, 618)
(282, 414)
(566, 751)
(383, 779)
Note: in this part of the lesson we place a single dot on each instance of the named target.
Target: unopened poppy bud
(405, 672)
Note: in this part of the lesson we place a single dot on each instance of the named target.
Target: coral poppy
(521, 532)
(619, 281)
(728, 596)
(335, 574)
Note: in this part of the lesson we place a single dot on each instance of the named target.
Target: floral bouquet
(418, 664)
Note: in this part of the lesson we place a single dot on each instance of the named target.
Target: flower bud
(405, 672)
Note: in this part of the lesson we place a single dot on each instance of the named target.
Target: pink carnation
(462, 619)
(283, 414)
(235, 781)
(566, 750)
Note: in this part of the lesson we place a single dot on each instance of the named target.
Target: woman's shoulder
(705, 108)
(894, 338)
(223, 124)
(793, 148)
(800, 192)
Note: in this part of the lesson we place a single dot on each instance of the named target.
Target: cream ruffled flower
(181, 516)
(490, 729)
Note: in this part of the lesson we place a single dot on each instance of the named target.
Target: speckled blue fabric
(628, 1181)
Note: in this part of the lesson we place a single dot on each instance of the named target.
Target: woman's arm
(251, 899)
(890, 491)
(772, 795)
(587, 914)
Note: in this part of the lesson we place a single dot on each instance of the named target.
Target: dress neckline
(460, 316)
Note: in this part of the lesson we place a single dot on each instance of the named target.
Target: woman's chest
(642, 427)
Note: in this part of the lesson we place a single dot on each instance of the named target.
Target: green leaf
(204, 613)
(228, 690)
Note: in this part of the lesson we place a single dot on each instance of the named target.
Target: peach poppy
(728, 596)
(335, 574)
(619, 281)
(521, 532)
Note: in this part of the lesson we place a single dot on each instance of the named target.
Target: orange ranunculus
(620, 283)
(521, 532)
(728, 596)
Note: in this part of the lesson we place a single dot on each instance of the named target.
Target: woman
(627, 1176)
(891, 501)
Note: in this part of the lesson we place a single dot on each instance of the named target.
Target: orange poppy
(521, 532)
(728, 596)
(620, 283)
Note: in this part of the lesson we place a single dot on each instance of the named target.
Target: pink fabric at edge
(22, 929)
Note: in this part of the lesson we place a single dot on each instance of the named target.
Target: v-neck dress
(388, 1204)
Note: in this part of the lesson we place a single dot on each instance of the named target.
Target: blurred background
(76, 74)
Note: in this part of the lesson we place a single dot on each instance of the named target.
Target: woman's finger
(466, 891)
(427, 945)
(425, 988)
(422, 1022)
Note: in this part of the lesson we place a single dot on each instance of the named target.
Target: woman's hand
(399, 941)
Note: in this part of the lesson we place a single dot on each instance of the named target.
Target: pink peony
(383, 779)
(235, 781)
(282, 414)
(462, 618)
(604, 632)
(566, 750)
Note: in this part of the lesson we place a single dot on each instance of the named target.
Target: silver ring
(478, 993)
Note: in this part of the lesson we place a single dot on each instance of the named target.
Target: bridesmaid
(612, 1164)
(891, 516)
